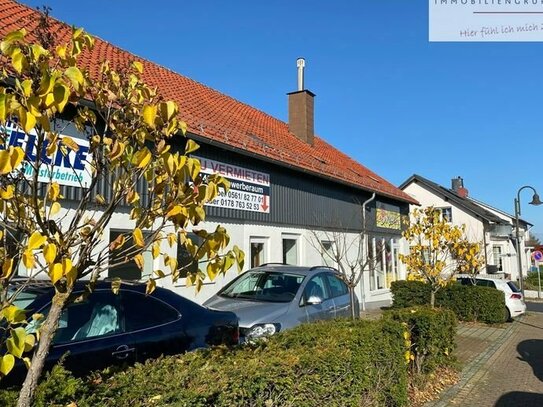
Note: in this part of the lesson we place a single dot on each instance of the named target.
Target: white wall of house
(304, 252)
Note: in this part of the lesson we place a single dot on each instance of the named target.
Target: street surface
(509, 372)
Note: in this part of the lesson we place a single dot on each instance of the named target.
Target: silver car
(272, 298)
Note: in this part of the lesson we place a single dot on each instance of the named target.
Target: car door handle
(122, 352)
(330, 308)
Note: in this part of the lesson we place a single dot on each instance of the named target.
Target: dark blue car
(104, 328)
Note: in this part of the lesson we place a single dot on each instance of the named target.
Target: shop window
(382, 262)
(290, 250)
(122, 265)
(371, 262)
(258, 251)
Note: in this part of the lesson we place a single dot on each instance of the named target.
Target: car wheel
(507, 315)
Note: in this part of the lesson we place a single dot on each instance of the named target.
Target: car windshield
(264, 286)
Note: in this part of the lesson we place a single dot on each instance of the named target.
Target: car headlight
(262, 330)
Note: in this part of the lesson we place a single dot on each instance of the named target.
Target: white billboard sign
(486, 20)
(249, 189)
(73, 168)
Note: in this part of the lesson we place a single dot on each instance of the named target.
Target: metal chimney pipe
(300, 63)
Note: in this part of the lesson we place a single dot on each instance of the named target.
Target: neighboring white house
(492, 227)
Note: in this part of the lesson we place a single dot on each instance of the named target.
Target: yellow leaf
(54, 191)
(61, 51)
(26, 86)
(117, 243)
(7, 268)
(149, 115)
(183, 126)
(156, 250)
(6, 364)
(138, 237)
(151, 286)
(168, 110)
(71, 276)
(142, 158)
(191, 146)
(3, 99)
(30, 341)
(66, 265)
(138, 66)
(100, 199)
(5, 162)
(16, 156)
(55, 208)
(28, 259)
(36, 241)
(140, 262)
(61, 95)
(75, 76)
(7, 193)
(50, 253)
(70, 143)
(212, 270)
(172, 238)
(27, 120)
(56, 272)
(116, 150)
(176, 210)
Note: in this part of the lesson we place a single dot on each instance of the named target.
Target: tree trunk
(353, 303)
(433, 299)
(47, 332)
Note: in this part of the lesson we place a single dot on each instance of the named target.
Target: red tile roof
(220, 118)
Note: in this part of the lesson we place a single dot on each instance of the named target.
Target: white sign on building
(73, 168)
(249, 189)
(486, 20)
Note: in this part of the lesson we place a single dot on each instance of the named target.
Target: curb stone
(472, 372)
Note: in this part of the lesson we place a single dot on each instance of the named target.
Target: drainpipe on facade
(485, 247)
(364, 254)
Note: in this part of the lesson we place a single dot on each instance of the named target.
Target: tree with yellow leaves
(438, 250)
(134, 145)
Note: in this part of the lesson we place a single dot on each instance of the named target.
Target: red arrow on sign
(265, 203)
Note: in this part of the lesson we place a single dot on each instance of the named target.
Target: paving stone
(509, 372)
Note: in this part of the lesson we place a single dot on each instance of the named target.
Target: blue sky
(385, 95)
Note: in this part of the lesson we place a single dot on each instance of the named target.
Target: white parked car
(514, 301)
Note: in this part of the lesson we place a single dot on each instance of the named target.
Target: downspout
(486, 249)
(364, 254)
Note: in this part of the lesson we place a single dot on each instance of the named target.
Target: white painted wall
(240, 234)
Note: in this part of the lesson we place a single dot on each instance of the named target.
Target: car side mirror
(314, 300)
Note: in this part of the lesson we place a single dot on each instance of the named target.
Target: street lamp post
(535, 201)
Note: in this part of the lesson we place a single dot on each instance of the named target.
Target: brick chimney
(301, 109)
(457, 185)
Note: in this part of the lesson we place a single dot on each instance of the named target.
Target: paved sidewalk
(509, 372)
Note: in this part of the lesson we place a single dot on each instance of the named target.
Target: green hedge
(431, 336)
(410, 293)
(469, 303)
(473, 303)
(333, 363)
